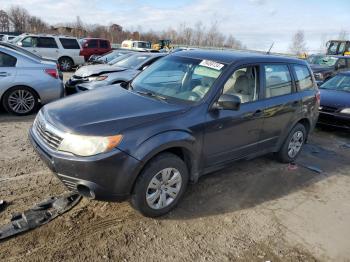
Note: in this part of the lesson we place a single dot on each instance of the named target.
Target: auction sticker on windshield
(211, 64)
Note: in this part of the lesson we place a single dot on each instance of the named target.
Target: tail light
(318, 96)
(52, 72)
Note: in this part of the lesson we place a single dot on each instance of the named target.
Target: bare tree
(4, 21)
(36, 25)
(298, 45)
(198, 33)
(232, 42)
(19, 17)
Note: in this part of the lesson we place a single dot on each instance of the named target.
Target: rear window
(104, 44)
(69, 43)
(304, 79)
(7, 60)
(46, 42)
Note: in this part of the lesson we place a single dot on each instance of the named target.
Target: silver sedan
(27, 80)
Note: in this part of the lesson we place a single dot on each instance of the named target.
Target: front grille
(48, 137)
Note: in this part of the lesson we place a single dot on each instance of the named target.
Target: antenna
(268, 52)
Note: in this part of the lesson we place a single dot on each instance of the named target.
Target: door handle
(2, 74)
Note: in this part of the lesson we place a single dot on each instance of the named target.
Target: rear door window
(7, 60)
(277, 80)
(93, 43)
(69, 43)
(304, 79)
(46, 42)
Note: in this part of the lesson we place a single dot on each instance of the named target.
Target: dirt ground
(257, 210)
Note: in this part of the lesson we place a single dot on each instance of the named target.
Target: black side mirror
(125, 85)
(228, 102)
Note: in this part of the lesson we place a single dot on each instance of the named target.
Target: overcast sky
(257, 23)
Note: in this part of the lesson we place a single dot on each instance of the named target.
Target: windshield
(143, 45)
(179, 78)
(339, 82)
(323, 60)
(119, 58)
(133, 61)
(110, 56)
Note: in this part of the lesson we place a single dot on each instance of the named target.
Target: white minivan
(65, 49)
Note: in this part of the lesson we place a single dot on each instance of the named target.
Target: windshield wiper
(151, 94)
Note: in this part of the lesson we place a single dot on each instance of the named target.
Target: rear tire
(160, 185)
(20, 101)
(66, 64)
(293, 144)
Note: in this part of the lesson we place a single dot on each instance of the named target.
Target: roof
(229, 57)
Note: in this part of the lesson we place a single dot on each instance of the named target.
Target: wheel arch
(182, 148)
(15, 86)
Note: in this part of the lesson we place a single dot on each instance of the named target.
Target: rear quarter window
(46, 42)
(7, 60)
(69, 43)
(303, 77)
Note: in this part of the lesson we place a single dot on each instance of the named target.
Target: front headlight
(345, 111)
(88, 145)
(97, 78)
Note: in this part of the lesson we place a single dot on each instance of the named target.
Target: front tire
(293, 144)
(20, 101)
(160, 185)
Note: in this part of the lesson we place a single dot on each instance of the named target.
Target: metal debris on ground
(39, 214)
(346, 146)
(3, 205)
(312, 168)
(292, 166)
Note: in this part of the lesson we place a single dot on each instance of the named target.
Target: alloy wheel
(163, 188)
(295, 144)
(21, 101)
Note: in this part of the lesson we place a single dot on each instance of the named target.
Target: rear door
(7, 71)
(281, 103)
(47, 47)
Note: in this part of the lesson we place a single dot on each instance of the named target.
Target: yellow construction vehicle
(162, 44)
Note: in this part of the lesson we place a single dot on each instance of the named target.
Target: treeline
(197, 35)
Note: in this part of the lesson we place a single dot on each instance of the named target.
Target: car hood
(107, 111)
(90, 70)
(321, 68)
(334, 98)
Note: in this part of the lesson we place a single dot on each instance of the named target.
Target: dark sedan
(335, 101)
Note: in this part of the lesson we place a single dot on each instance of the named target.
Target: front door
(231, 134)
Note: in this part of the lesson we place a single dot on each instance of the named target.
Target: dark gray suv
(188, 114)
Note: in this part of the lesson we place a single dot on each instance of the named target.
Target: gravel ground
(256, 210)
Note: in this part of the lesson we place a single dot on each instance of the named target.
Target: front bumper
(334, 119)
(108, 176)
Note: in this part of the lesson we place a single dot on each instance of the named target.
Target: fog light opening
(85, 191)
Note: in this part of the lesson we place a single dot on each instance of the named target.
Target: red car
(94, 46)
